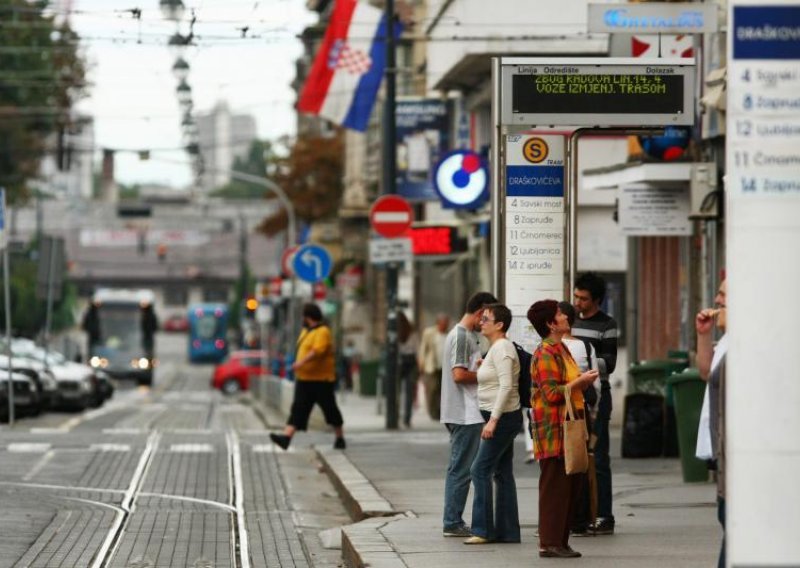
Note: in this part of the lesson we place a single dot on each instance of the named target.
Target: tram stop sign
(391, 216)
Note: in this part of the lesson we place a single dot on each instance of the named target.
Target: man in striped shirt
(600, 330)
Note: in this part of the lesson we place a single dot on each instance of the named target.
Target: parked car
(234, 374)
(77, 384)
(26, 397)
(176, 323)
(44, 382)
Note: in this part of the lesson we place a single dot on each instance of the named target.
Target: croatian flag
(344, 79)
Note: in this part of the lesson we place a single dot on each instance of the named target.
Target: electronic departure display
(625, 92)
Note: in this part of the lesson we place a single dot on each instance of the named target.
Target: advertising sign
(534, 227)
(423, 127)
(462, 180)
(597, 92)
(655, 17)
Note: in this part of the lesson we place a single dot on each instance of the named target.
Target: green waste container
(368, 377)
(651, 376)
(689, 389)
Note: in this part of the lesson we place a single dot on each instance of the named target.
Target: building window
(175, 296)
(215, 295)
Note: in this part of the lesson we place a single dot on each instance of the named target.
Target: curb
(358, 495)
(365, 546)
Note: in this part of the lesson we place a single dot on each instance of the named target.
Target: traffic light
(250, 306)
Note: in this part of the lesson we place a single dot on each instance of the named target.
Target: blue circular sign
(461, 179)
(312, 263)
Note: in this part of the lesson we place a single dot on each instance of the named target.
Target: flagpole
(389, 182)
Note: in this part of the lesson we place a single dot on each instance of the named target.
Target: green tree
(42, 75)
(28, 313)
(259, 161)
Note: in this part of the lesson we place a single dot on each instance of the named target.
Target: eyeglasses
(485, 319)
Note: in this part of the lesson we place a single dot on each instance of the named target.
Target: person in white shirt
(493, 468)
(461, 414)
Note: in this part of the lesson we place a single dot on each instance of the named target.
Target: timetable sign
(622, 92)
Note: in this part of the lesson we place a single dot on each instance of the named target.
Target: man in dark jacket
(600, 330)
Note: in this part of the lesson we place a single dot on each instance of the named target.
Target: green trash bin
(650, 376)
(368, 377)
(689, 389)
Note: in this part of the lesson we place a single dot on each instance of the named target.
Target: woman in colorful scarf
(555, 376)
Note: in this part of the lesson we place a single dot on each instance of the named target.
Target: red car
(233, 374)
(176, 323)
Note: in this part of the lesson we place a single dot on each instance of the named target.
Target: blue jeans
(464, 441)
(602, 464)
(721, 519)
(495, 460)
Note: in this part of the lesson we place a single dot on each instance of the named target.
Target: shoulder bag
(576, 455)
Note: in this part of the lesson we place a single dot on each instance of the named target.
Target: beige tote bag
(576, 456)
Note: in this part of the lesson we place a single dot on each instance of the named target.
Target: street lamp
(184, 92)
(172, 9)
(180, 69)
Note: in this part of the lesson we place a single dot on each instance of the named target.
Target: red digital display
(432, 240)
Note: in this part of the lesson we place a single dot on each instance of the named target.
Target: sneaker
(461, 532)
(581, 531)
(281, 440)
(339, 444)
(603, 526)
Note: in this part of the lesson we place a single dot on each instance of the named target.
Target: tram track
(239, 542)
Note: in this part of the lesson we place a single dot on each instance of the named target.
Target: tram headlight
(141, 363)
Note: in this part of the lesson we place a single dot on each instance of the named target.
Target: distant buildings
(223, 137)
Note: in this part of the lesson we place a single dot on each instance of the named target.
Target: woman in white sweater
(498, 397)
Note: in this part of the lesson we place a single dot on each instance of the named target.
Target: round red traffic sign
(391, 216)
(286, 260)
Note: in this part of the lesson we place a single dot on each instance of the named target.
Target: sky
(132, 96)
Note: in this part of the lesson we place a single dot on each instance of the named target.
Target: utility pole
(389, 181)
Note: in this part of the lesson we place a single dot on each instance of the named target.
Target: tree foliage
(311, 175)
(42, 74)
(28, 313)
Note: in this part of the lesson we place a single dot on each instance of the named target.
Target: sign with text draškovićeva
(763, 150)
(601, 92)
(534, 226)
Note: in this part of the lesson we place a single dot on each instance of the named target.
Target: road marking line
(192, 448)
(43, 430)
(39, 465)
(28, 448)
(124, 431)
(236, 460)
(109, 448)
(270, 449)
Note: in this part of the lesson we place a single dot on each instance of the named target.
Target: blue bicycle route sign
(312, 263)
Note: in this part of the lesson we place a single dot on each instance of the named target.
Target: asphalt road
(173, 476)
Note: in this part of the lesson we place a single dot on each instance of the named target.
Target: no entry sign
(391, 216)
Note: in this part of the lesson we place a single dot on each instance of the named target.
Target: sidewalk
(661, 521)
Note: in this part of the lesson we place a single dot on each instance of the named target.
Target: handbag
(576, 455)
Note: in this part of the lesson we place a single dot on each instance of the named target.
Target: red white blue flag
(347, 72)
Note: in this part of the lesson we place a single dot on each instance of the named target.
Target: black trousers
(309, 393)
